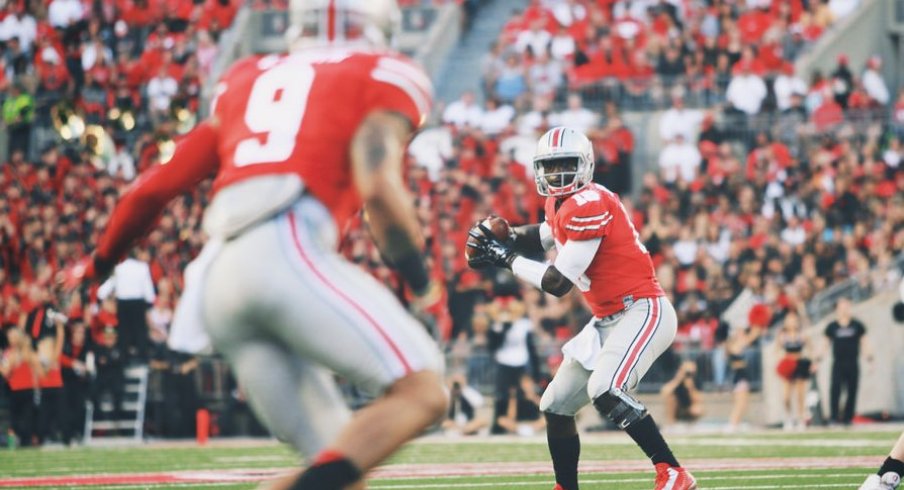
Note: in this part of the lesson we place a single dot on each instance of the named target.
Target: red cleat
(558, 487)
(674, 478)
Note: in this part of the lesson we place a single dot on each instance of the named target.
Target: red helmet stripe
(331, 20)
(556, 137)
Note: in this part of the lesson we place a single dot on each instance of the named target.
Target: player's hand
(486, 249)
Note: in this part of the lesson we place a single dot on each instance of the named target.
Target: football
(498, 226)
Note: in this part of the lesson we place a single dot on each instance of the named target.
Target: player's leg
(381, 347)
(297, 400)
(565, 395)
(307, 300)
(890, 473)
(645, 331)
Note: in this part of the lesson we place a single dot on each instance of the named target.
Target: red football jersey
(289, 114)
(621, 271)
(297, 113)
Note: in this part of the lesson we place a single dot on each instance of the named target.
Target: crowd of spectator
(638, 51)
(93, 93)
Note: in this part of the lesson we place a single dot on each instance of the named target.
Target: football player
(299, 143)
(601, 254)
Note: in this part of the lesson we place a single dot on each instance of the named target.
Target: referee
(133, 287)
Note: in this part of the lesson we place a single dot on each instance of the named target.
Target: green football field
(763, 460)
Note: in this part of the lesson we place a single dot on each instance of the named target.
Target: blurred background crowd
(766, 187)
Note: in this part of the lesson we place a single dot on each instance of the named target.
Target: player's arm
(556, 279)
(377, 153)
(195, 159)
(532, 240)
(560, 277)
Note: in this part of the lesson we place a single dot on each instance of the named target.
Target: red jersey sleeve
(399, 86)
(194, 160)
(221, 90)
(586, 217)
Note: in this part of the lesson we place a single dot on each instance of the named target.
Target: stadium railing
(741, 131)
(857, 288)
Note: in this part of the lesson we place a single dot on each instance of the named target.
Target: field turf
(814, 459)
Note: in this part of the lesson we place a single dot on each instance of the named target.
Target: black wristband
(510, 259)
(411, 267)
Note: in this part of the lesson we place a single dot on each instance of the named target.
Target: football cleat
(558, 487)
(888, 481)
(673, 478)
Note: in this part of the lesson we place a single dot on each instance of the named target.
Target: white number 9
(275, 109)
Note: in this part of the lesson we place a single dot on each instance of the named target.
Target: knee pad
(619, 407)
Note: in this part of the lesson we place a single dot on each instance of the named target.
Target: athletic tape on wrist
(529, 271)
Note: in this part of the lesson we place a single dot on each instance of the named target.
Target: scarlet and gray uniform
(278, 301)
(634, 323)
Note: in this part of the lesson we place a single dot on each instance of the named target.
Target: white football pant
(612, 352)
(287, 311)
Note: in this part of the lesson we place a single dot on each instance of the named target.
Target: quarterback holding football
(600, 253)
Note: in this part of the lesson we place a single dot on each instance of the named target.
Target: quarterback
(600, 253)
(299, 143)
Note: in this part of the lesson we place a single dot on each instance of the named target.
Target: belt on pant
(602, 322)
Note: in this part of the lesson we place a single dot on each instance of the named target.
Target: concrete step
(462, 68)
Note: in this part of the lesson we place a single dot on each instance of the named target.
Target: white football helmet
(563, 163)
(328, 22)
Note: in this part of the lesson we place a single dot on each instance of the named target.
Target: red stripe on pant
(355, 306)
(646, 335)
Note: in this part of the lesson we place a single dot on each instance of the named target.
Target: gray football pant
(287, 311)
(630, 343)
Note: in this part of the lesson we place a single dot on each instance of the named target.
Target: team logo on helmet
(563, 163)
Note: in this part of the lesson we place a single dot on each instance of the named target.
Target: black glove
(488, 250)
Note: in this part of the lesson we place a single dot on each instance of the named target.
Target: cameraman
(683, 400)
(464, 402)
(511, 341)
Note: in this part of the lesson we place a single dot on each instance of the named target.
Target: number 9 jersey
(297, 114)
(621, 272)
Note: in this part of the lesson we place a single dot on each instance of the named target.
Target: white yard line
(400, 486)
(790, 442)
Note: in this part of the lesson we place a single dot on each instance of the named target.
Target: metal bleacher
(99, 426)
